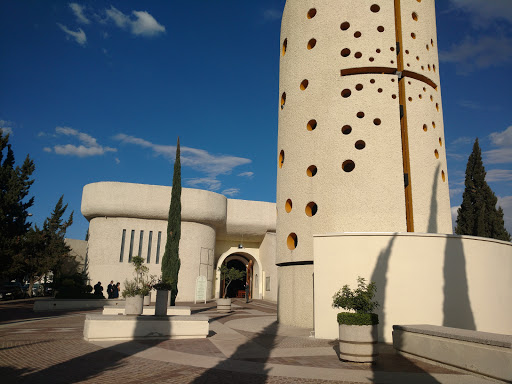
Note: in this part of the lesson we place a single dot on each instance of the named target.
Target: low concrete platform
(484, 353)
(73, 304)
(114, 327)
(147, 310)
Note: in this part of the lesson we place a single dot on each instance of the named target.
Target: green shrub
(348, 318)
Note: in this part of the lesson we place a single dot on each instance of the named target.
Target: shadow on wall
(87, 366)
(457, 311)
(432, 221)
(227, 371)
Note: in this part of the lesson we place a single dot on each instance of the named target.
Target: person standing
(115, 290)
(98, 290)
(110, 289)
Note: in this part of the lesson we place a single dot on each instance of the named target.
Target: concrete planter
(147, 299)
(358, 343)
(224, 305)
(134, 305)
(161, 304)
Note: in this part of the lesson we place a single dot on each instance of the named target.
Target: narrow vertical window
(131, 246)
(158, 247)
(122, 246)
(150, 239)
(141, 238)
(267, 283)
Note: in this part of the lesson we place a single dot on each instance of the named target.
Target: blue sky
(99, 91)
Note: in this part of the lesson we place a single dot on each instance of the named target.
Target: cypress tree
(171, 259)
(478, 215)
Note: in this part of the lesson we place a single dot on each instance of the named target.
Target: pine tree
(171, 260)
(477, 215)
(15, 183)
(44, 249)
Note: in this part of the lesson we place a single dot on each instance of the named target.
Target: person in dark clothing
(115, 290)
(110, 289)
(98, 289)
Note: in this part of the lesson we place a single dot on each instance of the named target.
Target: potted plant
(147, 286)
(228, 275)
(134, 290)
(162, 297)
(357, 329)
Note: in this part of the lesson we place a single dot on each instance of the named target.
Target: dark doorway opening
(238, 285)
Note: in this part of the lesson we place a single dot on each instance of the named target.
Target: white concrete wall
(268, 257)
(455, 281)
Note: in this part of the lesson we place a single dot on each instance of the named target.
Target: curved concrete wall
(454, 281)
(341, 133)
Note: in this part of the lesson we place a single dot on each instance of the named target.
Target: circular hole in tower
(346, 93)
(443, 176)
(377, 121)
(292, 241)
(346, 129)
(372, 81)
(345, 52)
(437, 107)
(375, 8)
(440, 142)
(304, 84)
(311, 13)
(360, 114)
(358, 55)
(311, 43)
(425, 128)
(311, 125)
(359, 87)
(413, 35)
(348, 165)
(288, 206)
(379, 90)
(311, 209)
(285, 44)
(281, 159)
(283, 100)
(312, 170)
(360, 144)
(380, 28)
(436, 154)
(345, 25)
(415, 16)
(371, 59)
(357, 34)
(433, 124)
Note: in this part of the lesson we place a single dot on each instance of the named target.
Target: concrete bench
(488, 354)
(147, 310)
(73, 304)
(114, 327)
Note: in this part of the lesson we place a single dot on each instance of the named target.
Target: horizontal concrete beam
(115, 327)
(487, 360)
(70, 304)
(147, 310)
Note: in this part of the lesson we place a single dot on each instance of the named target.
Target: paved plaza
(244, 346)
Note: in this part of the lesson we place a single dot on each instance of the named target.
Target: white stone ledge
(115, 327)
(70, 304)
(147, 310)
(473, 356)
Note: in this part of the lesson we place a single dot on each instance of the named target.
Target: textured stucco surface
(454, 281)
(294, 296)
(341, 66)
(267, 257)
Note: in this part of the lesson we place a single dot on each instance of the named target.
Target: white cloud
(117, 160)
(498, 175)
(197, 159)
(231, 192)
(462, 140)
(78, 10)
(503, 154)
(88, 144)
(486, 52)
(246, 174)
(502, 139)
(476, 106)
(484, 11)
(272, 14)
(456, 191)
(141, 24)
(505, 202)
(47, 149)
(6, 127)
(79, 36)
(210, 183)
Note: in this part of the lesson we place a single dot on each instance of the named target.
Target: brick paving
(49, 348)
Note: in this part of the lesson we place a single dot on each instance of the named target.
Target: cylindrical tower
(361, 142)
